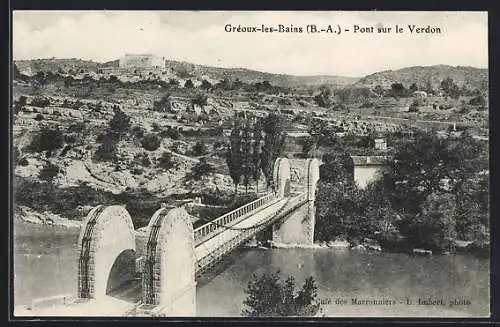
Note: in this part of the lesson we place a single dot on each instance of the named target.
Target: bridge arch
(281, 177)
(312, 178)
(168, 279)
(106, 242)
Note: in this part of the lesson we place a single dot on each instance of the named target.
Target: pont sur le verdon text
(333, 29)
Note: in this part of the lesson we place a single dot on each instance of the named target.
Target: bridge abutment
(106, 251)
(168, 280)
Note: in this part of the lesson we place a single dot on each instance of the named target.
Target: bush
(39, 117)
(268, 295)
(47, 139)
(199, 148)
(413, 107)
(199, 170)
(40, 102)
(120, 123)
(478, 101)
(150, 142)
(48, 172)
(106, 151)
(142, 159)
(137, 131)
(166, 161)
(367, 104)
(23, 162)
(170, 132)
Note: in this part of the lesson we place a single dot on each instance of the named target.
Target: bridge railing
(237, 237)
(210, 228)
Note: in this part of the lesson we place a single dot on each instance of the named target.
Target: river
(45, 264)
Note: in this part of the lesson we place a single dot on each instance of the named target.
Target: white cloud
(199, 37)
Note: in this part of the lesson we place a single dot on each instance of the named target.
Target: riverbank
(29, 216)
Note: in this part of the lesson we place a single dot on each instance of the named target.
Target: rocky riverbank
(28, 215)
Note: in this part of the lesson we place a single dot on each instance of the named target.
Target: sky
(200, 38)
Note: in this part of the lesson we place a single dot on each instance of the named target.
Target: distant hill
(184, 69)
(247, 75)
(53, 64)
(468, 76)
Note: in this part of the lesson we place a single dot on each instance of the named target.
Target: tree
(200, 148)
(450, 88)
(202, 168)
(16, 74)
(274, 130)
(48, 172)
(269, 296)
(206, 85)
(120, 123)
(413, 88)
(47, 139)
(166, 161)
(434, 227)
(307, 145)
(107, 149)
(324, 98)
(188, 84)
(246, 150)
(150, 142)
(234, 157)
(199, 100)
(398, 90)
(256, 153)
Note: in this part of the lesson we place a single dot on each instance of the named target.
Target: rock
(421, 252)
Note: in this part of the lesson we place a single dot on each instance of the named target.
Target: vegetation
(270, 296)
(47, 139)
(150, 142)
(254, 146)
(432, 193)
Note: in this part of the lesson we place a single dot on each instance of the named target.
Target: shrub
(268, 295)
(47, 139)
(414, 107)
(48, 172)
(39, 117)
(107, 149)
(166, 161)
(199, 148)
(120, 123)
(23, 162)
(137, 131)
(367, 104)
(478, 101)
(150, 142)
(40, 102)
(142, 159)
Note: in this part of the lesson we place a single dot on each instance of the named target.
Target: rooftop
(369, 160)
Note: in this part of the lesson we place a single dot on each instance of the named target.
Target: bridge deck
(205, 248)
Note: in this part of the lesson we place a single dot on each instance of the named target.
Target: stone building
(142, 61)
(368, 168)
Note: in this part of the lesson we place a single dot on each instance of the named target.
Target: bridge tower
(168, 277)
(106, 247)
(281, 177)
(298, 227)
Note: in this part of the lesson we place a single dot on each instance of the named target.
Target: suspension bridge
(114, 281)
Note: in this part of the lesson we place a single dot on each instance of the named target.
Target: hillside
(468, 76)
(184, 69)
(53, 65)
(251, 76)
